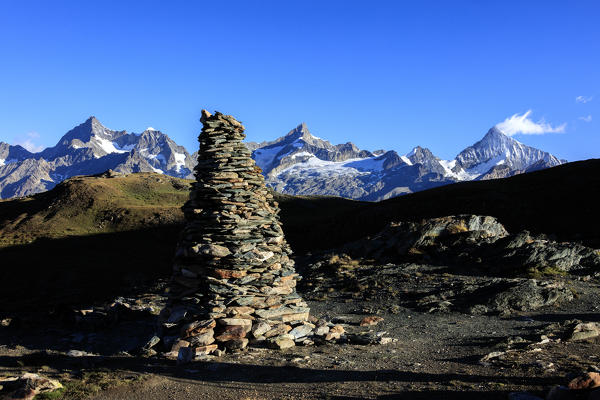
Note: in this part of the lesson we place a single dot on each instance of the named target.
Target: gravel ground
(435, 356)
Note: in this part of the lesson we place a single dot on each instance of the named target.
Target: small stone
(185, 355)
(218, 353)
(79, 353)
(585, 331)
(487, 359)
(178, 345)
(232, 332)
(335, 332)
(212, 250)
(301, 331)
(154, 340)
(242, 310)
(197, 327)
(321, 330)
(203, 350)
(260, 329)
(148, 353)
(589, 380)
(297, 317)
(370, 321)
(177, 315)
(278, 330)
(337, 329)
(364, 338)
(236, 344)
(273, 313)
(385, 340)
(305, 342)
(228, 273)
(282, 342)
(202, 339)
(246, 323)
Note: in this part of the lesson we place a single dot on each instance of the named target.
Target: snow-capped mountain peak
(91, 148)
(496, 149)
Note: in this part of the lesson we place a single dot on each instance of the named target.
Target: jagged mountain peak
(496, 137)
(497, 148)
(300, 146)
(301, 132)
(13, 153)
(417, 150)
(94, 125)
(495, 132)
(420, 155)
(90, 127)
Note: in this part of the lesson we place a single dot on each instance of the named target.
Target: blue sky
(381, 74)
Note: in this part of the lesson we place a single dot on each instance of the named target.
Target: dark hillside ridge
(561, 201)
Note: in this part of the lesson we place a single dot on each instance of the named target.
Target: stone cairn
(233, 280)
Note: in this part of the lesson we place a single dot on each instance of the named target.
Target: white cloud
(586, 119)
(584, 99)
(27, 141)
(521, 124)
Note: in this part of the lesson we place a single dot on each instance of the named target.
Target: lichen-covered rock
(282, 342)
(530, 295)
(27, 386)
(585, 331)
(474, 242)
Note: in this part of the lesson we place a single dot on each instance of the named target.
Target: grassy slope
(88, 239)
(92, 205)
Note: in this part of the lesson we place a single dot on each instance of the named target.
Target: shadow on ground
(52, 273)
(260, 374)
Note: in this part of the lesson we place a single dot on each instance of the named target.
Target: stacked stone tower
(233, 279)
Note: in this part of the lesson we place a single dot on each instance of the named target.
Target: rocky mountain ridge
(302, 164)
(298, 163)
(87, 149)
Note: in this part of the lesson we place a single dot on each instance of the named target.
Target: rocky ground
(466, 311)
(474, 310)
(437, 354)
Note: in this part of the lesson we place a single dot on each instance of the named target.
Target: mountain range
(298, 163)
(302, 164)
(87, 149)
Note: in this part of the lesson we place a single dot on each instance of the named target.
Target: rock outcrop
(233, 278)
(474, 243)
